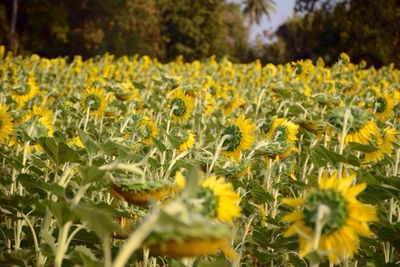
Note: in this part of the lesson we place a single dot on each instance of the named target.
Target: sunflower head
(334, 211)
(356, 120)
(383, 106)
(94, 100)
(282, 130)
(6, 124)
(181, 105)
(220, 200)
(187, 140)
(147, 130)
(239, 137)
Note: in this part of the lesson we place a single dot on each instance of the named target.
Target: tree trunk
(14, 44)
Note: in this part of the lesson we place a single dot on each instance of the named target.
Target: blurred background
(272, 31)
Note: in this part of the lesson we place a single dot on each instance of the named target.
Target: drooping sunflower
(94, 99)
(334, 207)
(282, 130)
(181, 104)
(240, 137)
(383, 106)
(187, 141)
(6, 124)
(147, 130)
(222, 201)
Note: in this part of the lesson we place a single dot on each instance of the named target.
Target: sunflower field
(130, 162)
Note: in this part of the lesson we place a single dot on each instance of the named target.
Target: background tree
(256, 9)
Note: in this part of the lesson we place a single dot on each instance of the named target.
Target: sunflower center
(281, 133)
(93, 102)
(210, 202)
(380, 104)
(234, 139)
(179, 107)
(337, 206)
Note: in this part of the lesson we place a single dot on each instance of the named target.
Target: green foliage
(158, 28)
(366, 30)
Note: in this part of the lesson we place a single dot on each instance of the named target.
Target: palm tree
(255, 9)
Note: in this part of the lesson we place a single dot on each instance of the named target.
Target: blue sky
(283, 10)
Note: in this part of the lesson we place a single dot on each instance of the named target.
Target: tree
(365, 29)
(255, 9)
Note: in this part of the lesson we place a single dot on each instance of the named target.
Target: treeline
(365, 29)
(158, 28)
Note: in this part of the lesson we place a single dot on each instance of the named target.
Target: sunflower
(6, 125)
(343, 220)
(240, 137)
(94, 99)
(383, 106)
(221, 201)
(383, 145)
(363, 134)
(181, 105)
(359, 128)
(282, 130)
(389, 138)
(147, 130)
(187, 142)
(22, 93)
(76, 141)
(36, 123)
(231, 104)
(209, 104)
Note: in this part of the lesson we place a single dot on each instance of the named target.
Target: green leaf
(259, 194)
(58, 153)
(159, 145)
(92, 147)
(361, 147)
(60, 211)
(91, 174)
(99, 221)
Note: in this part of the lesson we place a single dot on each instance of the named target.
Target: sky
(283, 10)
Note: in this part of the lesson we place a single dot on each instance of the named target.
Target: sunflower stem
(86, 119)
(217, 152)
(342, 140)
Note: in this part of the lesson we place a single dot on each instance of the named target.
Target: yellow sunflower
(188, 141)
(282, 130)
(383, 106)
(22, 93)
(240, 137)
(335, 210)
(231, 104)
(363, 134)
(6, 124)
(181, 105)
(389, 137)
(222, 201)
(383, 145)
(76, 141)
(147, 130)
(36, 123)
(94, 99)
